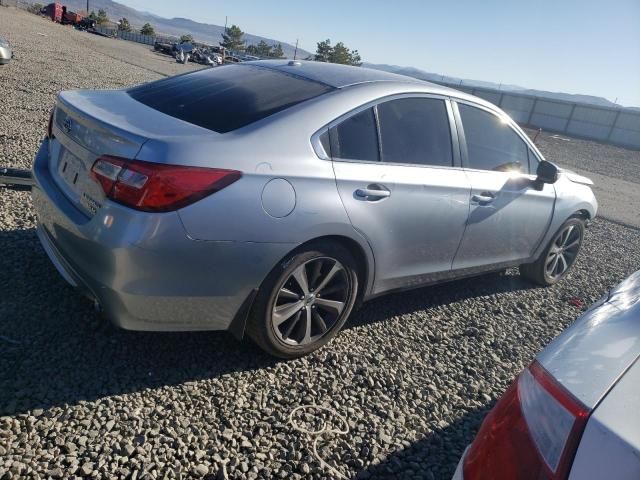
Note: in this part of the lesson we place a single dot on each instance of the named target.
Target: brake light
(50, 125)
(155, 187)
(533, 432)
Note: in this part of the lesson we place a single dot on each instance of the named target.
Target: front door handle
(483, 198)
(373, 192)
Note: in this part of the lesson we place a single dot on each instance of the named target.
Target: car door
(509, 214)
(395, 172)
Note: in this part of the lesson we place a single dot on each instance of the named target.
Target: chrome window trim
(455, 144)
(502, 116)
(317, 144)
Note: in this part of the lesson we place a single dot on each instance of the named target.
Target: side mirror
(547, 172)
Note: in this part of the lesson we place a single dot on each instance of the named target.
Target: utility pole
(87, 8)
(225, 23)
(295, 52)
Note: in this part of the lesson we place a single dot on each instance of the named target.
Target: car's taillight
(50, 125)
(532, 432)
(155, 187)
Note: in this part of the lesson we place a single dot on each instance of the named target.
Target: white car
(574, 413)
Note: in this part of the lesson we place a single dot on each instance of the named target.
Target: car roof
(336, 75)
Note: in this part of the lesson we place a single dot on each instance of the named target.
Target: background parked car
(165, 47)
(6, 54)
(575, 412)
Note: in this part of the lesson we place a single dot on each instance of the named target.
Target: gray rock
(86, 468)
(200, 470)
(55, 472)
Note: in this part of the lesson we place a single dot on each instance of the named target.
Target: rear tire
(559, 256)
(304, 301)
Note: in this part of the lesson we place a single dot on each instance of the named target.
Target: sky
(588, 47)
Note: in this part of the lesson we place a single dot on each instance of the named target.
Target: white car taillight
(548, 421)
(532, 432)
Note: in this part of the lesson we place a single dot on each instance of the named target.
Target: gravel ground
(412, 374)
(574, 153)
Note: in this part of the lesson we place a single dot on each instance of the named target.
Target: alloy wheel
(310, 301)
(563, 252)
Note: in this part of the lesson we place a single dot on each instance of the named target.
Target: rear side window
(492, 144)
(356, 138)
(226, 98)
(415, 130)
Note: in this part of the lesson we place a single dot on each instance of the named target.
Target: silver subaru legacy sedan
(271, 197)
(573, 413)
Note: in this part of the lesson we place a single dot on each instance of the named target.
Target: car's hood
(575, 177)
(593, 353)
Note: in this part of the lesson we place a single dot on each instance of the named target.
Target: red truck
(71, 18)
(59, 13)
(53, 11)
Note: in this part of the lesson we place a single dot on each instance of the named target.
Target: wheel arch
(583, 214)
(362, 254)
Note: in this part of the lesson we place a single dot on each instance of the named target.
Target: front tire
(559, 256)
(304, 301)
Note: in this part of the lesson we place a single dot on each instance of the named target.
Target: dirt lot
(413, 374)
(615, 172)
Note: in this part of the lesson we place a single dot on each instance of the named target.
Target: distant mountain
(434, 77)
(202, 32)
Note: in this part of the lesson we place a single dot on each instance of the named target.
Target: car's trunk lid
(591, 355)
(88, 124)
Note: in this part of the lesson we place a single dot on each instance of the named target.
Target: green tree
(93, 16)
(124, 25)
(339, 53)
(102, 17)
(277, 51)
(232, 39)
(35, 8)
(263, 49)
(186, 38)
(356, 59)
(147, 29)
(323, 52)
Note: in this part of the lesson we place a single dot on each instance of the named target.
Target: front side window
(491, 143)
(356, 138)
(416, 131)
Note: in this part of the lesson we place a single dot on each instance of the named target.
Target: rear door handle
(483, 198)
(370, 192)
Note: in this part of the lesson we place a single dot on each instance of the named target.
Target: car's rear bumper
(143, 269)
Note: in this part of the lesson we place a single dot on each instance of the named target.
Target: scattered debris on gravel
(412, 374)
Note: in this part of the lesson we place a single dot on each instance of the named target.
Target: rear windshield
(226, 98)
